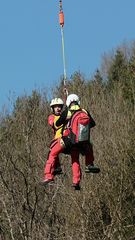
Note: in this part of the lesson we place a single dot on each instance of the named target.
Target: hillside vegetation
(104, 208)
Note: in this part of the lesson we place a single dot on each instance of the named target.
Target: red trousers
(57, 148)
(53, 158)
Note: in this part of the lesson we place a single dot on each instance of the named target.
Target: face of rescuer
(57, 109)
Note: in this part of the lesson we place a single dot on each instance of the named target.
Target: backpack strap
(74, 115)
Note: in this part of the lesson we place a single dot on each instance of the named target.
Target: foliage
(104, 208)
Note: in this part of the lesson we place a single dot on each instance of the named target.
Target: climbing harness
(61, 22)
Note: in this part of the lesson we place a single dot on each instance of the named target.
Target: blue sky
(30, 40)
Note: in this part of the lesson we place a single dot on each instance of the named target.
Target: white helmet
(56, 101)
(72, 98)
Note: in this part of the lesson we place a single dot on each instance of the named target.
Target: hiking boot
(92, 169)
(46, 181)
(57, 170)
(76, 186)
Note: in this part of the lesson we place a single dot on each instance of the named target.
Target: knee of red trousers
(56, 148)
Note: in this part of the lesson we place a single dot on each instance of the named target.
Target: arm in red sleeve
(51, 120)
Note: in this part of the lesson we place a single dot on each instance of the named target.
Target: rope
(61, 14)
(63, 53)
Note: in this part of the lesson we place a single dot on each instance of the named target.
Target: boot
(44, 182)
(76, 186)
(92, 169)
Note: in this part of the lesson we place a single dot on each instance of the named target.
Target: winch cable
(61, 21)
